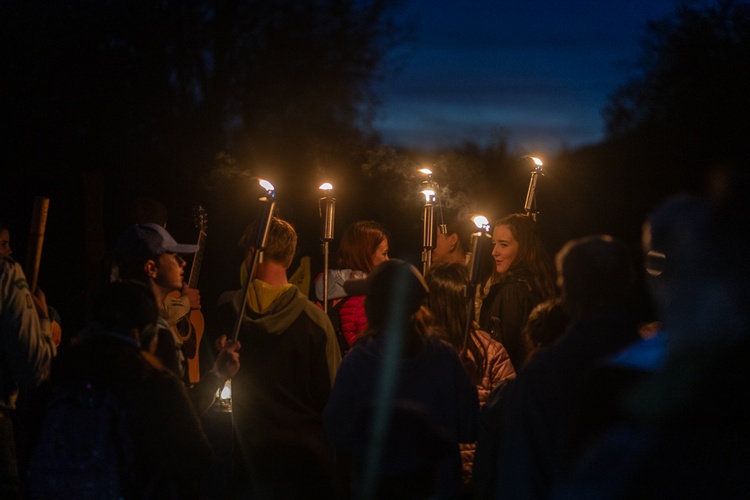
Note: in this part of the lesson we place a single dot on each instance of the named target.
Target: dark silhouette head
(394, 291)
(147, 210)
(546, 323)
(594, 273)
(124, 305)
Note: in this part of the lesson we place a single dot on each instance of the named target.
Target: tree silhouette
(684, 114)
(691, 91)
(150, 85)
(107, 100)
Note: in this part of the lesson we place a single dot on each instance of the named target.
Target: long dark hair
(418, 328)
(450, 307)
(532, 258)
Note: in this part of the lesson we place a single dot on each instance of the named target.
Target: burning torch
(429, 190)
(259, 242)
(327, 209)
(530, 194)
(480, 244)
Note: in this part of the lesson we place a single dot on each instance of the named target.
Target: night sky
(539, 71)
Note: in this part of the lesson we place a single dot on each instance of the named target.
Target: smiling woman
(523, 277)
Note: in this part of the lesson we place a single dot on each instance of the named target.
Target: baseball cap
(145, 241)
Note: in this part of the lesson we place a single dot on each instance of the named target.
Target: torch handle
(36, 240)
(480, 241)
(530, 194)
(429, 215)
(329, 215)
(325, 276)
(260, 238)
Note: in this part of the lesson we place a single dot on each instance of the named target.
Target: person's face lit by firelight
(381, 253)
(505, 248)
(169, 271)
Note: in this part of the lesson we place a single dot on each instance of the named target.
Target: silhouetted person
(147, 210)
(682, 432)
(486, 360)
(547, 322)
(163, 451)
(402, 401)
(596, 276)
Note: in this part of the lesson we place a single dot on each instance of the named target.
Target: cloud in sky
(539, 70)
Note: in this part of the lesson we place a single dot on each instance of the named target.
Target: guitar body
(190, 330)
(190, 327)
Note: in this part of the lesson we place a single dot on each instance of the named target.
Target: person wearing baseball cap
(149, 254)
(146, 241)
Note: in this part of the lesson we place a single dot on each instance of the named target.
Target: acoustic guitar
(190, 327)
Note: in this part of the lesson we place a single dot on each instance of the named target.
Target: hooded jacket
(289, 359)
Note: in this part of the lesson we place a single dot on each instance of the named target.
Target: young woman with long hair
(363, 246)
(486, 360)
(524, 276)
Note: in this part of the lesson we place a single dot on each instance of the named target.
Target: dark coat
(171, 452)
(505, 310)
(435, 408)
(543, 397)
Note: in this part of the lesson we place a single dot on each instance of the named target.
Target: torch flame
(326, 186)
(536, 161)
(425, 171)
(480, 221)
(266, 185)
(429, 194)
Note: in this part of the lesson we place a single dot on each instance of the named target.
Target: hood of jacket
(336, 279)
(269, 309)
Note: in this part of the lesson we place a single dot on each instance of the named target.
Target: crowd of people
(543, 381)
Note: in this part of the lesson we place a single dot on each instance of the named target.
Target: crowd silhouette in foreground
(547, 382)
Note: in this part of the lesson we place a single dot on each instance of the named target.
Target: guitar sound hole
(186, 334)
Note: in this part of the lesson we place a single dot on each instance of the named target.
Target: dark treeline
(187, 101)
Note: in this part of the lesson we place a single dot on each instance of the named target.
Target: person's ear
(249, 256)
(151, 268)
(453, 239)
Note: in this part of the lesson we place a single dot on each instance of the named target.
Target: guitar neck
(197, 260)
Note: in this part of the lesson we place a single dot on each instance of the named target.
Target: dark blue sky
(539, 70)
